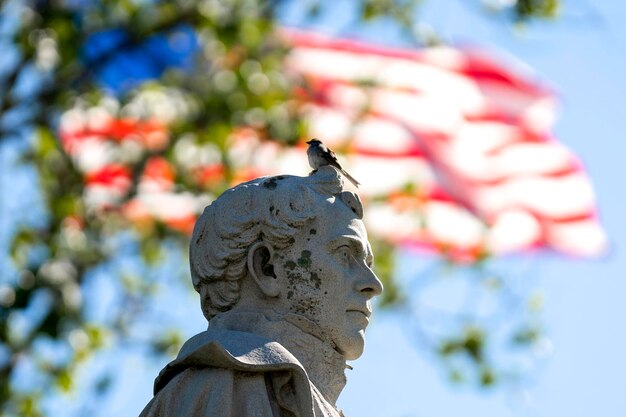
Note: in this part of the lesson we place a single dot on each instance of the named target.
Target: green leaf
(64, 381)
(487, 377)
(542, 9)
(384, 266)
(526, 336)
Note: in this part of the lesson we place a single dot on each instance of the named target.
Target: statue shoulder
(230, 349)
(214, 392)
(223, 373)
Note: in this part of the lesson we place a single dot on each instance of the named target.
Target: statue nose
(369, 283)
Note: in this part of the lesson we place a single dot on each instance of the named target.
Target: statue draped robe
(229, 373)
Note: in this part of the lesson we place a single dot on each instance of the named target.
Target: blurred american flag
(454, 148)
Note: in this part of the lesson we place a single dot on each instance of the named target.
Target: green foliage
(528, 9)
(384, 266)
(523, 11)
(401, 11)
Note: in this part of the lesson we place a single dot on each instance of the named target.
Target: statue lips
(364, 311)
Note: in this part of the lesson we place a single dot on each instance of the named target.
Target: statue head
(293, 245)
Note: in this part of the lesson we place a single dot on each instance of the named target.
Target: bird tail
(351, 178)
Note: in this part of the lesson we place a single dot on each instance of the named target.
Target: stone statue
(282, 265)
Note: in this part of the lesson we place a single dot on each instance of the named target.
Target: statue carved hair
(268, 209)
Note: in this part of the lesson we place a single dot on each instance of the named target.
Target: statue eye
(344, 254)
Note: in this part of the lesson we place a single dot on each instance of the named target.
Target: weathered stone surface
(282, 265)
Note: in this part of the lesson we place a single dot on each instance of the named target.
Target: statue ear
(262, 270)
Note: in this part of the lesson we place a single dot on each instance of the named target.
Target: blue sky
(584, 56)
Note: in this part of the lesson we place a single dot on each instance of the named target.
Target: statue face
(326, 277)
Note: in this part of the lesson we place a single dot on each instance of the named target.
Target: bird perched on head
(321, 155)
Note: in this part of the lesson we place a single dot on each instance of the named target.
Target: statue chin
(352, 347)
(354, 354)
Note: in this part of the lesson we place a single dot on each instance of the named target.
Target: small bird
(320, 155)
